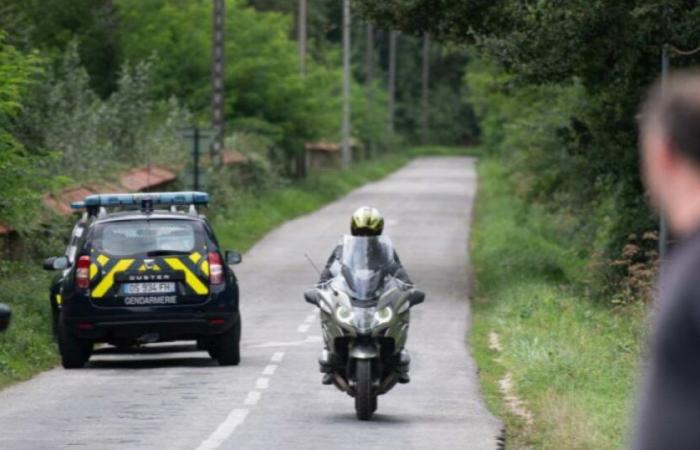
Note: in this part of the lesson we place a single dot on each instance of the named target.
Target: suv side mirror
(56, 263)
(311, 296)
(5, 314)
(416, 297)
(233, 258)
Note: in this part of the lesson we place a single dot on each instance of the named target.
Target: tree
(611, 48)
(18, 200)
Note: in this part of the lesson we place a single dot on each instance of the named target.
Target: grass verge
(27, 347)
(570, 361)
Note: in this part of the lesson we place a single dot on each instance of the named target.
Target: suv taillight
(216, 269)
(82, 273)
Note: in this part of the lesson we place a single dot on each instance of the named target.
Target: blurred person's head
(670, 149)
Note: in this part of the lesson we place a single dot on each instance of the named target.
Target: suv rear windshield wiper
(166, 252)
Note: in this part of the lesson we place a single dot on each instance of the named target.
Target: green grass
(27, 347)
(573, 361)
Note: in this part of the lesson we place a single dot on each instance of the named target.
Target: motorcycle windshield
(365, 263)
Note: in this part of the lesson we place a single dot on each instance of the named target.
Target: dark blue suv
(135, 274)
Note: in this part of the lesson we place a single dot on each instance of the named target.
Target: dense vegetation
(556, 88)
(91, 87)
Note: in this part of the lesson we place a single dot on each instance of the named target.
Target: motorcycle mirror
(5, 315)
(311, 296)
(417, 297)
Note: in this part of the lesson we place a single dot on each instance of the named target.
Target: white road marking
(227, 427)
(310, 318)
(262, 383)
(277, 357)
(303, 328)
(252, 398)
(269, 369)
(308, 340)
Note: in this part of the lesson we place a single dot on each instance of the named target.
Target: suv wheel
(75, 352)
(225, 347)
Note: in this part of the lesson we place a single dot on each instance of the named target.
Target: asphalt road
(170, 396)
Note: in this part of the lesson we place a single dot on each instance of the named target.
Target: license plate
(148, 288)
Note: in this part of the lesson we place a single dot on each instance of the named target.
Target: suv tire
(75, 352)
(226, 347)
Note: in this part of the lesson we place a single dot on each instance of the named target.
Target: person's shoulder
(681, 274)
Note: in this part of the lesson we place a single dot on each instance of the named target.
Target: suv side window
(76, 235)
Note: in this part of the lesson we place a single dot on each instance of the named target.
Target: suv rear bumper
(165, 327)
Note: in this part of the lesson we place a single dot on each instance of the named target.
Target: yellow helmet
(366, 221)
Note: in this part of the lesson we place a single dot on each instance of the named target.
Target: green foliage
(262, 70)
(609, 50)
(540, 134)
(51, 26)
(571, 361)
(91, 137)
(27, 347)
(17, 72)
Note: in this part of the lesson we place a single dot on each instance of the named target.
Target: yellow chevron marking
(59, 299)
(103, 260)
(108, 281)
(205, 267)
(142, 268)
(93, 270)
(195, 257)
(190, 278)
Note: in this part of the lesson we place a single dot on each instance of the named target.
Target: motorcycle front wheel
(365, 397)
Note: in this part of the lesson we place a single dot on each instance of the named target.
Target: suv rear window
(146, 237)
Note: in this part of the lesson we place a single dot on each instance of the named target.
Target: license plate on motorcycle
(148, 288)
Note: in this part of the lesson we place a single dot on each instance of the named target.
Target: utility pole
(301, 38)
(392, 79)
(425, 86)
(369, 61)
(369, 75)
(217, 80)
(346, 150)
(195, 158)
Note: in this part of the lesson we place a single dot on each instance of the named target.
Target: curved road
(170, 396)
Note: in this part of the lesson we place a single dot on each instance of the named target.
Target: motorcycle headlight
(344, 315)
(384, 315)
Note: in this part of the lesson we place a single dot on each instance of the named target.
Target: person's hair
(673, 108)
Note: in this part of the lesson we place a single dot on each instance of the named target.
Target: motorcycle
(365, 311)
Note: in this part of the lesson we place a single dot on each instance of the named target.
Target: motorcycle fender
(364, 351)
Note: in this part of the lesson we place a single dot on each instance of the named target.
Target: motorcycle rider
(366, 221)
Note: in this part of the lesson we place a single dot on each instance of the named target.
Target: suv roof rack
(145, 201)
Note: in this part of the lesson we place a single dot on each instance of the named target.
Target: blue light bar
(155, 198)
